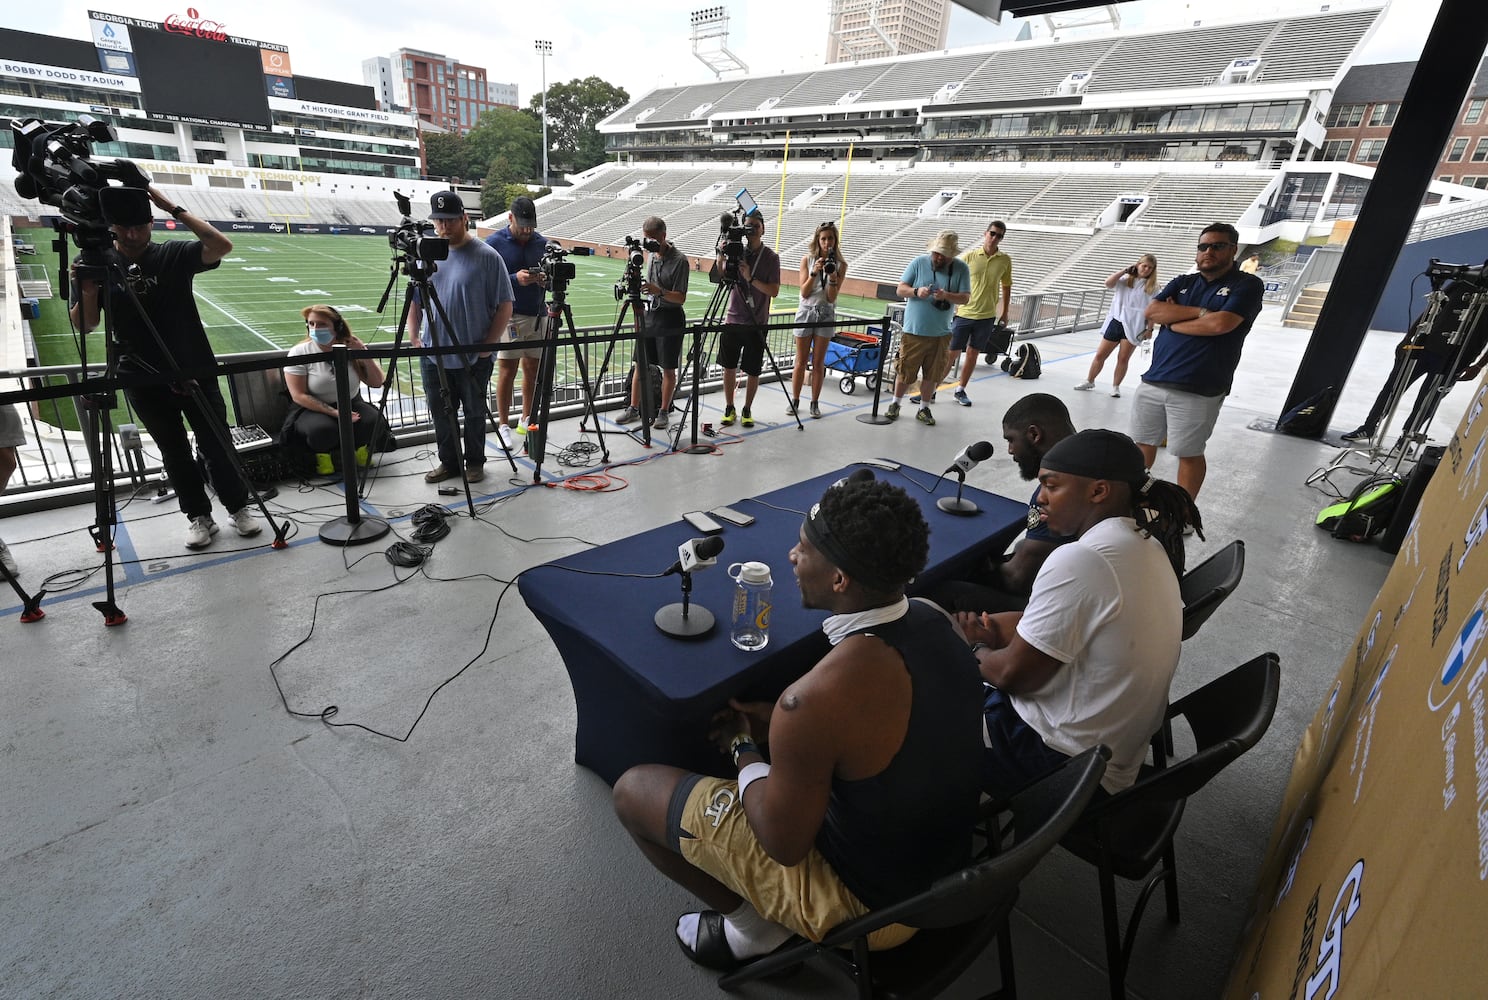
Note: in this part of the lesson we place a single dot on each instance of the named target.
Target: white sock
(748, 934)
(899, 400)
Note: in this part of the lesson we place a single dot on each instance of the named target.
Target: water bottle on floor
(751, 620)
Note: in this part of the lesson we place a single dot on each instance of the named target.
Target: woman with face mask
(313, 423)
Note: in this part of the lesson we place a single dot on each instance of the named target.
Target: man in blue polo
(521, 246)
(1206, 315)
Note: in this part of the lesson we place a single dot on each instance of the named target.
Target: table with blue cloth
(644, 697)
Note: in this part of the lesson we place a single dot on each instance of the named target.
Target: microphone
(970, 458)
(681, 620)
(856, 476)
(696, 553)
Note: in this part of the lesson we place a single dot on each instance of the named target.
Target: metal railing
(1044, 314)
(54, 466)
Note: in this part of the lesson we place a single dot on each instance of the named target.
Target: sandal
(712, 950)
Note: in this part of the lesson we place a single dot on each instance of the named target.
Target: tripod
(419, 272)
(631, 303)
(93, 266)
(560, 316)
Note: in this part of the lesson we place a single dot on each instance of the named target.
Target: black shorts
(659, 341)
(742, 346)
(1114, 332)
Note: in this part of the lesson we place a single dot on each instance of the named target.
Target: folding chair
(959, 914)
(1205, 587)
(1128, 833)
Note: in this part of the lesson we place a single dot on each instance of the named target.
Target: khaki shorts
(1184, 419)
(707, 825)
(522, 328)
(923, 354)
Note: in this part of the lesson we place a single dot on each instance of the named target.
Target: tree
(500, 176)
(446, 155)
(574, 109)
(509, 135)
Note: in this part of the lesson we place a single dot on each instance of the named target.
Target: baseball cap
(446, 205)
(524, 211)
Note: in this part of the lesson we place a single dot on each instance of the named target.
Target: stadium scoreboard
(192, 70)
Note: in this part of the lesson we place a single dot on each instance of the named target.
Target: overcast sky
(635, 45)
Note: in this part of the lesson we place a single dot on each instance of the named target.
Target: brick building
(1364, 110)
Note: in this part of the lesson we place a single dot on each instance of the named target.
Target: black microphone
(970, 458)
(696, 553)
(856, 476)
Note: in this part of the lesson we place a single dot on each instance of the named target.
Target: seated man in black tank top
(870, 789)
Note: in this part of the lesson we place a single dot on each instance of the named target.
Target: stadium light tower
(708, 24)
(545, 49)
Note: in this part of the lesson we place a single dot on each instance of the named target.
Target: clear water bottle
(751, 620)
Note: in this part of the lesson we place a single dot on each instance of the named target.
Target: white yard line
(266, 340)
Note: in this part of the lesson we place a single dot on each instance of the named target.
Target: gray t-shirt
(471, 286)
(670, 271)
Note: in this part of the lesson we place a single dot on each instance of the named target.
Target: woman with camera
(1126, 324)
(313, 422)
(822, 273)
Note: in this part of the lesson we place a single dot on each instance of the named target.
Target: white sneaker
(1115, 392)
(1085, 385)
(508, 441)
(244, 523)
(8, 560)
(199, 533)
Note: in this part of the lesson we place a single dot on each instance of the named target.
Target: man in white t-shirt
(1090, 659)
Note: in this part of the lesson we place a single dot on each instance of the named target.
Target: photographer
(822, 273)
(743, 341)
(159, 280)
(521, 246)
(666, 292)
(933, 283)
(473, 287)
(1126, 324)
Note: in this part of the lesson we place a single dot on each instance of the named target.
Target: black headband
(1099, 454)
(819, 534)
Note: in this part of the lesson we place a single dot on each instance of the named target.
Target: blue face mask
(322, 335)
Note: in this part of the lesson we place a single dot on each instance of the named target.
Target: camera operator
(743, 341)
(665, 288)
(161, 277)
(521, 246)
(473, 287)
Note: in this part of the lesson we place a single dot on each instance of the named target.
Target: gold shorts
(922, 354)
(707, 824)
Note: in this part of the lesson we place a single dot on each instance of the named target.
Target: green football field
(253, 301)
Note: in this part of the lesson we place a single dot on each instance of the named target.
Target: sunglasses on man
(1213, 246)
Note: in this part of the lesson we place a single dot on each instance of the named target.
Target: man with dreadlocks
(1090, 659)
(870, 790)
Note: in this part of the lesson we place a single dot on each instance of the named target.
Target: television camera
(55, 166)
(629, 285)
(415, 247)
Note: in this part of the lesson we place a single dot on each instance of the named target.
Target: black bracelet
(178, 211)
(978, 646)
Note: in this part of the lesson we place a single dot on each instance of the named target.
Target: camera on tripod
(414, 240)
(629, 285)
(55, 166)
(557, 269)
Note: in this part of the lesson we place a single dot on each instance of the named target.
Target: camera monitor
(746, 202)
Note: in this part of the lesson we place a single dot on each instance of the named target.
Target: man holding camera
(665, 288)
(521, 246)
(932, 283)
(476, 295)
(159, 331)
(742, 344)
(975, 321)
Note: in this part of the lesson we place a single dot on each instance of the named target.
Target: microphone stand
(956, 505)
(680, 621)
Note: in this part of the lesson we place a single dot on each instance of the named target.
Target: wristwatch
(178, 211)
(977, 647)
(741, 744)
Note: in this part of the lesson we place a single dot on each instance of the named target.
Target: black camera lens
(941, 304)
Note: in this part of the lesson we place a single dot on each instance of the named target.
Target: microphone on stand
(972, 456)
(681, 621)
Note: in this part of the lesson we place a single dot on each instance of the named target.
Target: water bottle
(751, 622)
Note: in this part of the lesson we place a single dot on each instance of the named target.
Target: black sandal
(713, 952)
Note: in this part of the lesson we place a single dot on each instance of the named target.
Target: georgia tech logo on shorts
(718, 807)
(1323, 982)
(1459, 655)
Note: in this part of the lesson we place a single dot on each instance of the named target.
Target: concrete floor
(169, 830)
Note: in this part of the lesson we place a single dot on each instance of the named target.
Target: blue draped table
(645, 697)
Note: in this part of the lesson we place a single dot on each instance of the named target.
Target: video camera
(54, 164)
(414, 245)
(733, 233)
(629, 285)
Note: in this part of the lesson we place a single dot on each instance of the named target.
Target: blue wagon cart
(856, 354)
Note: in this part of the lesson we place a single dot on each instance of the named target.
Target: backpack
(1367, 511)
(1309, 418)
(1027, 364)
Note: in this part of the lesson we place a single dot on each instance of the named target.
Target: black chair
(1205, 587)
(959, 914)
(1127, 834)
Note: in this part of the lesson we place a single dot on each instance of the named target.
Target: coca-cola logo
(194, 24)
